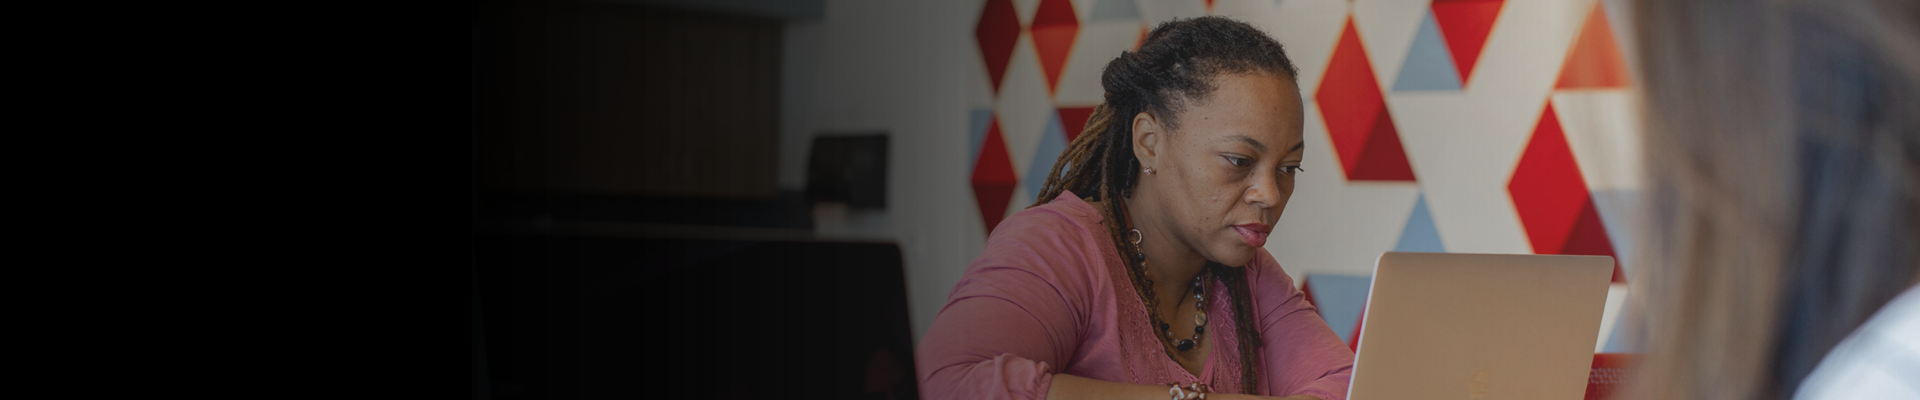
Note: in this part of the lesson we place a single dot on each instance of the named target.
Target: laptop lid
(1480, 326)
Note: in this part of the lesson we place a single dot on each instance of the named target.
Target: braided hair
(1174, 67)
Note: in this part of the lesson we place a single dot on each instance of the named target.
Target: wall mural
(1481, 126)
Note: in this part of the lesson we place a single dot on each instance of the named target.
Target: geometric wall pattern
(1355, 112)
(1429, 64)
(1594, 62)
(1448, 44)
(1465, 24)
(1483, 126)
(1552, 199)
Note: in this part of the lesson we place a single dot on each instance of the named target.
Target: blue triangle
(1429, 64)
(978, 121)
(1107, 10)
(1339, 299)
(1420, 234)
(1618, 342)
(1616, 207)
(1052, 143)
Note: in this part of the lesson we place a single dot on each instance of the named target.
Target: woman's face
(1222, 179)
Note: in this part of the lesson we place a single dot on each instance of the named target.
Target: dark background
(628, 237)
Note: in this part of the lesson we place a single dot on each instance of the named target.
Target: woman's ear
(1147, 137)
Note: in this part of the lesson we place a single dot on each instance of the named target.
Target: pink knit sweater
(1050, 295)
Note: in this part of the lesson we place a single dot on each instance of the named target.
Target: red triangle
(1589, 237)
(1054, 28)
(1552, 200)
(1466, 24)
(993, 178)
(1074, 120)
(1348, 98)
(1383, 159)
(1547, 189)
(1358, 124)
(1594, 62)
(995, 34)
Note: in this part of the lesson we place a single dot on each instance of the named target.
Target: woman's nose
(1265, 191)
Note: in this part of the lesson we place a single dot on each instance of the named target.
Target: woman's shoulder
(1876, 361)
(1064, 217)
(1059, 242)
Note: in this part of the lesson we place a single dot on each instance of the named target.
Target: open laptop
(1480, 326)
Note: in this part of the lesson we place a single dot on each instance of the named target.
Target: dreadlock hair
(1173, 68)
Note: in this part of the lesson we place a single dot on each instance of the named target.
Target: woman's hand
(1069, 387)
(1230, 396)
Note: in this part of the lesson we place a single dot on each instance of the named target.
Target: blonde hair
(1782, 185)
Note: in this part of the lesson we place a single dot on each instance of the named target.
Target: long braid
(1119, 213)
(1080, 156)
(1175, 64)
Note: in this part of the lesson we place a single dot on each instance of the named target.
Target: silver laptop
(1480, 326)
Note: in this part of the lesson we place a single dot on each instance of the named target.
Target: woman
(1139, 273)
(1783, 189)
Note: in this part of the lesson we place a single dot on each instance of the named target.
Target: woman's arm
(1302, 355)
(991, 347)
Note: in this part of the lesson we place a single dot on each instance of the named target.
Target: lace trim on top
(1146, 361)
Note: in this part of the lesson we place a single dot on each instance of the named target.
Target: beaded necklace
(1199, 302)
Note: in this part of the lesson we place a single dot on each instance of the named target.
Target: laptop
(1480, 326)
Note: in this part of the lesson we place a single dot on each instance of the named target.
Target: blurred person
(1783, 199)
(1140, 273)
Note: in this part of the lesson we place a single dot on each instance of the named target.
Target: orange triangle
(1594, 62)
(1142, 40)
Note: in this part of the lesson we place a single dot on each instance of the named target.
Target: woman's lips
(1254, 234)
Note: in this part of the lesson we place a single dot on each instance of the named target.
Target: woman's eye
(1239, 161)
(1290, 169)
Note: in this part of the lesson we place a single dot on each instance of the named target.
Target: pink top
(1050, 295)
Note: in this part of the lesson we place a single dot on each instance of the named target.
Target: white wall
(898, 67)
